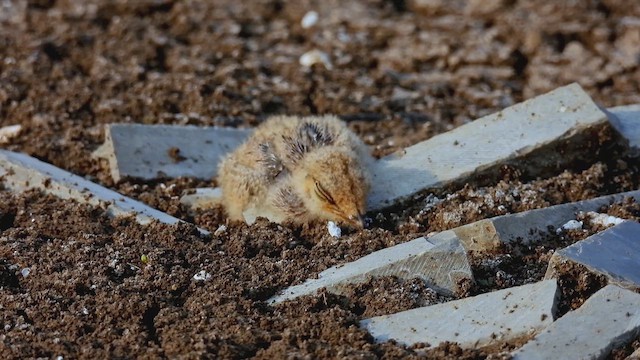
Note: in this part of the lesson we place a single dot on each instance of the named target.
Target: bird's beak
(357, 221)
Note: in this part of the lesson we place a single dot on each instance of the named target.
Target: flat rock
(167, 151)
(614, 253)
(609, 318)
(21, 172)
(474, 322)
(626, 119)
(529, 226)
(528, 130)
(440, 261)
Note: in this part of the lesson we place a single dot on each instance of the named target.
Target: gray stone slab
(626, 119)
(526, 130)
(474, 322)
(143, 151)
(614, 253)
(21, 172)
(529, 226)
(609, 318)
(440, 261)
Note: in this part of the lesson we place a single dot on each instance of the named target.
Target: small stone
(315, 57)
(9, 132)
(309, 19)
(603, 219)
(220, 230)
(202, 276)
(570, 225)
(25, 272)
(334, 230)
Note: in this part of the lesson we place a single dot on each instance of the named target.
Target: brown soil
(80, 285)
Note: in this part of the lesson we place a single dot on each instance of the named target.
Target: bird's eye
(323, 194)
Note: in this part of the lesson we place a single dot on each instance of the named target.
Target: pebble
(309, 19)
(334, 230)
(315, 57)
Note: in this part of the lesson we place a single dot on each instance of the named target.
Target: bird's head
(334, 185)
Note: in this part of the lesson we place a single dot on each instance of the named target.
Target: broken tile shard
(609, 318)
(529, 226)
(440, 261)
(21, 172)
(167, 151)
(614, 253)
(474, 322)
(525, 131)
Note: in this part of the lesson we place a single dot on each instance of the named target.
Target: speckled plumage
(300, 170)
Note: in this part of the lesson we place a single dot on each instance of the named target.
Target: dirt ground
(77, 284)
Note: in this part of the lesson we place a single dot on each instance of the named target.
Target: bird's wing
(290, 204)
(309, 136)
(270, 160)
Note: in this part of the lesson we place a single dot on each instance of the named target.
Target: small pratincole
(298, 170)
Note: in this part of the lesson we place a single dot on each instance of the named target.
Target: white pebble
(604, 219)
(563, 109)
(220, 230)
(8, 132)
(202, 276)
(25, 272)
(309, 19)
(314, 57)
(570, 225)
(334, 230)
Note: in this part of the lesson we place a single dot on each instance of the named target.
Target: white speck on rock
(309, 19)
(570, 225)
(202, 276)
(25, 272)
(334, 230)
(563, 109)
(314, 57)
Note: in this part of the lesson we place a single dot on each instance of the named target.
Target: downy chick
(299, 170)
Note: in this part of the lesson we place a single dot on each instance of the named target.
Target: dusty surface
(77, 284)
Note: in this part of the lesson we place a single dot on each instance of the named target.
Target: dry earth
(77, 284)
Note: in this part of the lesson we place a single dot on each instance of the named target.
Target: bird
(299, 170)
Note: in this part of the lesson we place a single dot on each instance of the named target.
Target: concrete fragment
(626, 119)
(440, 261)
(152, 151)
(529, 226)
(609, 318)
(203, 198)
(474, 322)
(21, 172)
(526, 131)
(614, 253)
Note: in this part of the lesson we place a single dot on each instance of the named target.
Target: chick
(298, 170)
